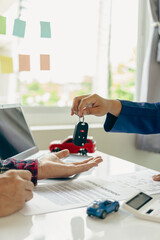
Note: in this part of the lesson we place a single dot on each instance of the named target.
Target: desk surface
(76, 225)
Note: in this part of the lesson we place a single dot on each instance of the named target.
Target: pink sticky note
(24, 63)
(44, 62)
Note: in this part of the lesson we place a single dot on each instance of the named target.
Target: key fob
(80, 134)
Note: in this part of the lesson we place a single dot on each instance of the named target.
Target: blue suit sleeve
(135, 117)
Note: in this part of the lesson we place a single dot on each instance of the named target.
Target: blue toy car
(101, 208)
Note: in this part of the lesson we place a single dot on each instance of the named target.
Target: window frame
(144, 23)
(59, 116)
(51, 116)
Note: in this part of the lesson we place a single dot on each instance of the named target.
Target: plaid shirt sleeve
(31, 165)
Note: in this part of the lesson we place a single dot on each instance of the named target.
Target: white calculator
(144, 206)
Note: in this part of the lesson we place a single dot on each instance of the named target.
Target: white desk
(76, 225)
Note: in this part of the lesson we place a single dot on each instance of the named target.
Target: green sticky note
(45, 30)
(2, 25)
(19, 28)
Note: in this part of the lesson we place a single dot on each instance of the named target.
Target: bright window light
(92, 49)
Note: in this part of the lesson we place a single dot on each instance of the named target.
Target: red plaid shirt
(31, 165)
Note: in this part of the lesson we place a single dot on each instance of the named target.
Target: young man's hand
(15, 189)
(95, 105)
(51, 165)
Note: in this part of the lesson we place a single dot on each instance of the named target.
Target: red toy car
(57, 145)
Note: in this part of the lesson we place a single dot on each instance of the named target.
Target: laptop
(16, 139)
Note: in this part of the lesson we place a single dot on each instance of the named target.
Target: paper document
(140, 181)
(71, 194)
(57, 196)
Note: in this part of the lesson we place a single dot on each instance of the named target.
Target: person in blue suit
(121, 116)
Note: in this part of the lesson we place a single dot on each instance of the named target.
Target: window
(95, 205)
(123, 49)
(72, 49)
(77, 34)
(107, 203)
(93, 49)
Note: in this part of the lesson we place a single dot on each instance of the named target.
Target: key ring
(82, 119)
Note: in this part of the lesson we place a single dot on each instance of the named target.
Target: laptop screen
(15, 136)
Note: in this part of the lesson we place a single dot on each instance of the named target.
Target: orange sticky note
(24, 63)
(44, 62)
(6, 64)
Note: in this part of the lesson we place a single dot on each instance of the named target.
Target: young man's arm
(50, 166)
(135, 117)
(30, 165)
(122, 116)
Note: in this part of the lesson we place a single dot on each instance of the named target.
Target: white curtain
(150, 88)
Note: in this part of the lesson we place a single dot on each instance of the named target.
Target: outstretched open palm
(52, 165)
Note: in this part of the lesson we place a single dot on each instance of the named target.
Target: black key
(80, 134)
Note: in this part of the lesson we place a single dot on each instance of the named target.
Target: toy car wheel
(103, 215)
(83, 151)
(116, 208)
(56, 149)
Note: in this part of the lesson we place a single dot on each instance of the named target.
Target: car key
(80, 133)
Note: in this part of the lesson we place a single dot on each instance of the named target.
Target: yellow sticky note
(6, 64)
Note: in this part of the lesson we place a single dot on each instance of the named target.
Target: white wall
(5, 4)
(116, 144)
